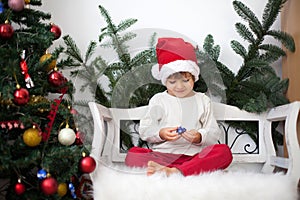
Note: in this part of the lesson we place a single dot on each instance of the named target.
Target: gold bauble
(27, 1)
(51, 65)
(32, 137)
(62, 189)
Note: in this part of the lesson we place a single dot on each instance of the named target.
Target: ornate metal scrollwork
(232, 135)
(238, 133)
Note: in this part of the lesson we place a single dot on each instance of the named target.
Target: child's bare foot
(154, 167)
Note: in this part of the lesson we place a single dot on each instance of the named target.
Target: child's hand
(192, 136)
(169, 133)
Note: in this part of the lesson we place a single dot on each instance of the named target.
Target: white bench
(259, 156)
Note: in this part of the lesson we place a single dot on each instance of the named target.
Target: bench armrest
(288, 113)
(101, 115)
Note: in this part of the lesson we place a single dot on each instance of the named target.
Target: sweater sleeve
(210, 130)
(150, 123)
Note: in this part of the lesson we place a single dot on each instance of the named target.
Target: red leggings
(211, 158)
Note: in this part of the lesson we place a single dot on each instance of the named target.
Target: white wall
(191, 19)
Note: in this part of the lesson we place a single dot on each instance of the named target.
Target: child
(195, 150)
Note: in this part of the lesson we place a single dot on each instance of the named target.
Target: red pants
(211, 158)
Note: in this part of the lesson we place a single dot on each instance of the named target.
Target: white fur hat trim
(173, 67)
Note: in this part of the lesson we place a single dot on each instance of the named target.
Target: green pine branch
(247, 14)
(244, 32)
(255, 87)
(283, 37)
(271, 12)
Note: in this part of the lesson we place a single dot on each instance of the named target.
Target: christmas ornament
(62, 189)
(24, 69)
(1, 7)
(79, 138)
(180, 130)
(72, 190)
(56, 30)
(66, 136)
(56, 79)
(45, 58)
(21, 96)
(87, 164)
(27, 4)
(41, 174)
(49, 186)
(32, 137)
(6, 30)
(74, 179)
(84, 190)
(16, 5)
(11, 124)
(20, 188)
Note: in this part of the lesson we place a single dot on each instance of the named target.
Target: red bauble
(79, 138)
(16, 5)
(56, 79)
(21, 96)
(6, 31)
(87, 164)
(56, 30)
(49, 186)
(74, 179)
(20, 188)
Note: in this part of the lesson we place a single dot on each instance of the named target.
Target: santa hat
(174, 55)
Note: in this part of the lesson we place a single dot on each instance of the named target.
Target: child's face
(180, 85)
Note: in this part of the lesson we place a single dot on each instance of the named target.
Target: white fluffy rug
(122, 183)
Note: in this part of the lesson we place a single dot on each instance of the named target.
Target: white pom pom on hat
(174, 55)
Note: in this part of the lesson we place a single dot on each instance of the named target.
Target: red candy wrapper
(24, 69)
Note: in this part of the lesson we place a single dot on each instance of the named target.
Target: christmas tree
(41, 148)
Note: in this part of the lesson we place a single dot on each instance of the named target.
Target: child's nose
(179, 84)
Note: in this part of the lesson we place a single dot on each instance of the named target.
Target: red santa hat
(174, 55)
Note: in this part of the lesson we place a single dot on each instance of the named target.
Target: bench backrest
(107, 140)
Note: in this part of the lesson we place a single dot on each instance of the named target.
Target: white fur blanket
(122, 183)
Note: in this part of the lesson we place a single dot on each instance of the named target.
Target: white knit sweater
(191, 113)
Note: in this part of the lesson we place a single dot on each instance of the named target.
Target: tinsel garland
(52, 114)
(11, 124)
